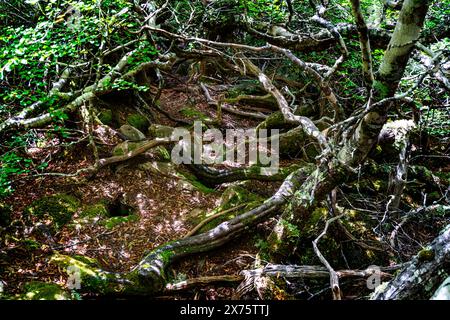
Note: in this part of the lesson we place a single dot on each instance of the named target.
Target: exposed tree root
(422, 275)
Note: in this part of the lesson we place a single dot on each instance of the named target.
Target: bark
(331, 173)
(404, 38)
(422, 275)
(364, 42)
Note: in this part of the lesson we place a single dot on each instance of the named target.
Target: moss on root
(106, 117)
(232, 197)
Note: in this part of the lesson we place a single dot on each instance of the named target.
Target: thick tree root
(422, 275)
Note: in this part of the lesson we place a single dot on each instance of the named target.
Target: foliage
(42, 39)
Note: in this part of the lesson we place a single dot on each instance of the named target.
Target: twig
(334, 278)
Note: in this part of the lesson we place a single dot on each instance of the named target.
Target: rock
(126, 146)
(131, 133)
(99, 209)
(160, 131)
(38, 290)
(58, 208)
(165, 168)
(138, 121)
(106, 117)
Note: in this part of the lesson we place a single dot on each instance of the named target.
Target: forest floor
(163, 204)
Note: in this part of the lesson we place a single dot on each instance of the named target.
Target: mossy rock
(58, 208)
(95, 210)
(114, 221)
(91, 277)
(38, 290)
(131, 133)
(138, 121)
(127, 146)
(160, 131)
(5, 215)
(106, 117)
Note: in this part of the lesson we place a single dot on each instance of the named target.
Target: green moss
(236, 195)
(58, 208)
(381, 89)
(193, 113)
(91, 278)
(99, 209)
(162, 153)
(434, 196)
(232, 197)
(138, 121)
(127, 146)
(274, 120)
(189, 177)
(425, 255)
(114, 221)
(31, 244)
(312, 226)
(87, 260)
(106, 117)
(43, 291)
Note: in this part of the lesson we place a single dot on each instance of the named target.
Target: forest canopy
(225, 149)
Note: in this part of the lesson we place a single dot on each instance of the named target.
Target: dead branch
(334, 279)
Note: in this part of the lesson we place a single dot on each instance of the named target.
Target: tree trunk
(331, 173)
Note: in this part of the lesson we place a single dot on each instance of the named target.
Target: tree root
(422, 275)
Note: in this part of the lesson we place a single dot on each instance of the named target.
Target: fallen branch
(334, 279)
(202, 282)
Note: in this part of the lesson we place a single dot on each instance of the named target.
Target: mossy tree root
(212, 177)
(150, 273)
